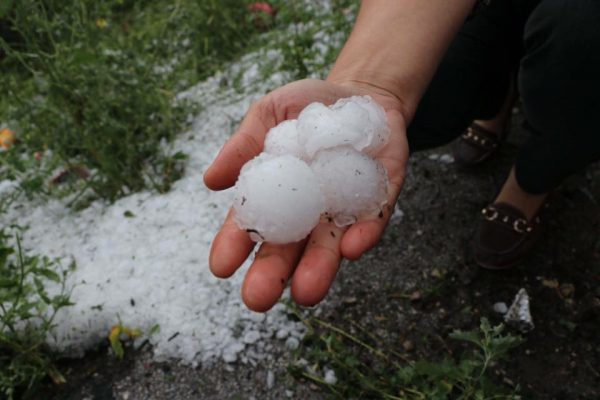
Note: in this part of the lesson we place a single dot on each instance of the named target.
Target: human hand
(312, 263)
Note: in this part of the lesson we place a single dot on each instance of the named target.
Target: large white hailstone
(283, 139)
(319, 128)
(375, 125)
(352, 183)
(277, 199)
(356, 121)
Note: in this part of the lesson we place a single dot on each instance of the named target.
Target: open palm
(312, 263)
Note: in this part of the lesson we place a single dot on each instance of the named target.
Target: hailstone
(277, 199)
(356, 121)
(352, 183)
(320, 163)
(320, 127)
(375, 124)
(283, 139)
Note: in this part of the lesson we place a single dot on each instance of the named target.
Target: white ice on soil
(442, 158)
(277, 199)
(152, 268)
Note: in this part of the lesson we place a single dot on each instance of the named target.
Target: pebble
(270, 379)
(408, 345)
(330, 377)
(416, 295)
(500, 307)
(446, 159)
(567, 289)
(437, 273)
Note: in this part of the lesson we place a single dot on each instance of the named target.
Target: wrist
(388, 98)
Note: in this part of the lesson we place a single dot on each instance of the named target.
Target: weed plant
(363, 370)
(27, 313)
(308, 36)
(94, 82)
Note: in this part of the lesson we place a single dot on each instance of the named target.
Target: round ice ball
(372, 121)
(277, 199)
(319, 128)
(283, 139)
(356, 121)
(352, 183)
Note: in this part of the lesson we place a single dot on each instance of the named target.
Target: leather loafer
(504, 236)
(476, 145)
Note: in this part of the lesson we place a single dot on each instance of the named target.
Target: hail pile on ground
(144, 259)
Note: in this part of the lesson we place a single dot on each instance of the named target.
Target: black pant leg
(473, 78)
(559, 81)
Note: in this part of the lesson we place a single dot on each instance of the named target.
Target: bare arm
(391, 55)
(396, 46)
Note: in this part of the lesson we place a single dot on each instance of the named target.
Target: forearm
(396, 46)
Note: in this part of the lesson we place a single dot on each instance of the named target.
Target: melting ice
(321, 162)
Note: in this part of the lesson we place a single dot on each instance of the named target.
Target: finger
(365, 234)
(319, 265)
(243, 146)
(229, 249)
(268, 275)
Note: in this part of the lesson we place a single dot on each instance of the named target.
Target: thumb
(244, 145)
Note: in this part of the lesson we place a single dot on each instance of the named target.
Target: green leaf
(154, 330)
(53, 276)
(38, 284)
(6, 283)
(468, 336)
(117, 347)
(5, 7)
(61, 300)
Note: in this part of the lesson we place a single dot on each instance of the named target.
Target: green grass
(365, 369)
(92, 84)
(27, 313)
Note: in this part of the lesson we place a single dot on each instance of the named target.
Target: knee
(558, 76)
(566, 30)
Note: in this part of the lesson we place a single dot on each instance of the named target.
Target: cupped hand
(312, 263)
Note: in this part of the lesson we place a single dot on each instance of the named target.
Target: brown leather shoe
(476, 145)
(504, 236)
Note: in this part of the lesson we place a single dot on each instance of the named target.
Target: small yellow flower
(7, 138)
(101, 23)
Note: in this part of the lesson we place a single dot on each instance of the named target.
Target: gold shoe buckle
(520, 225)
(489, 213)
